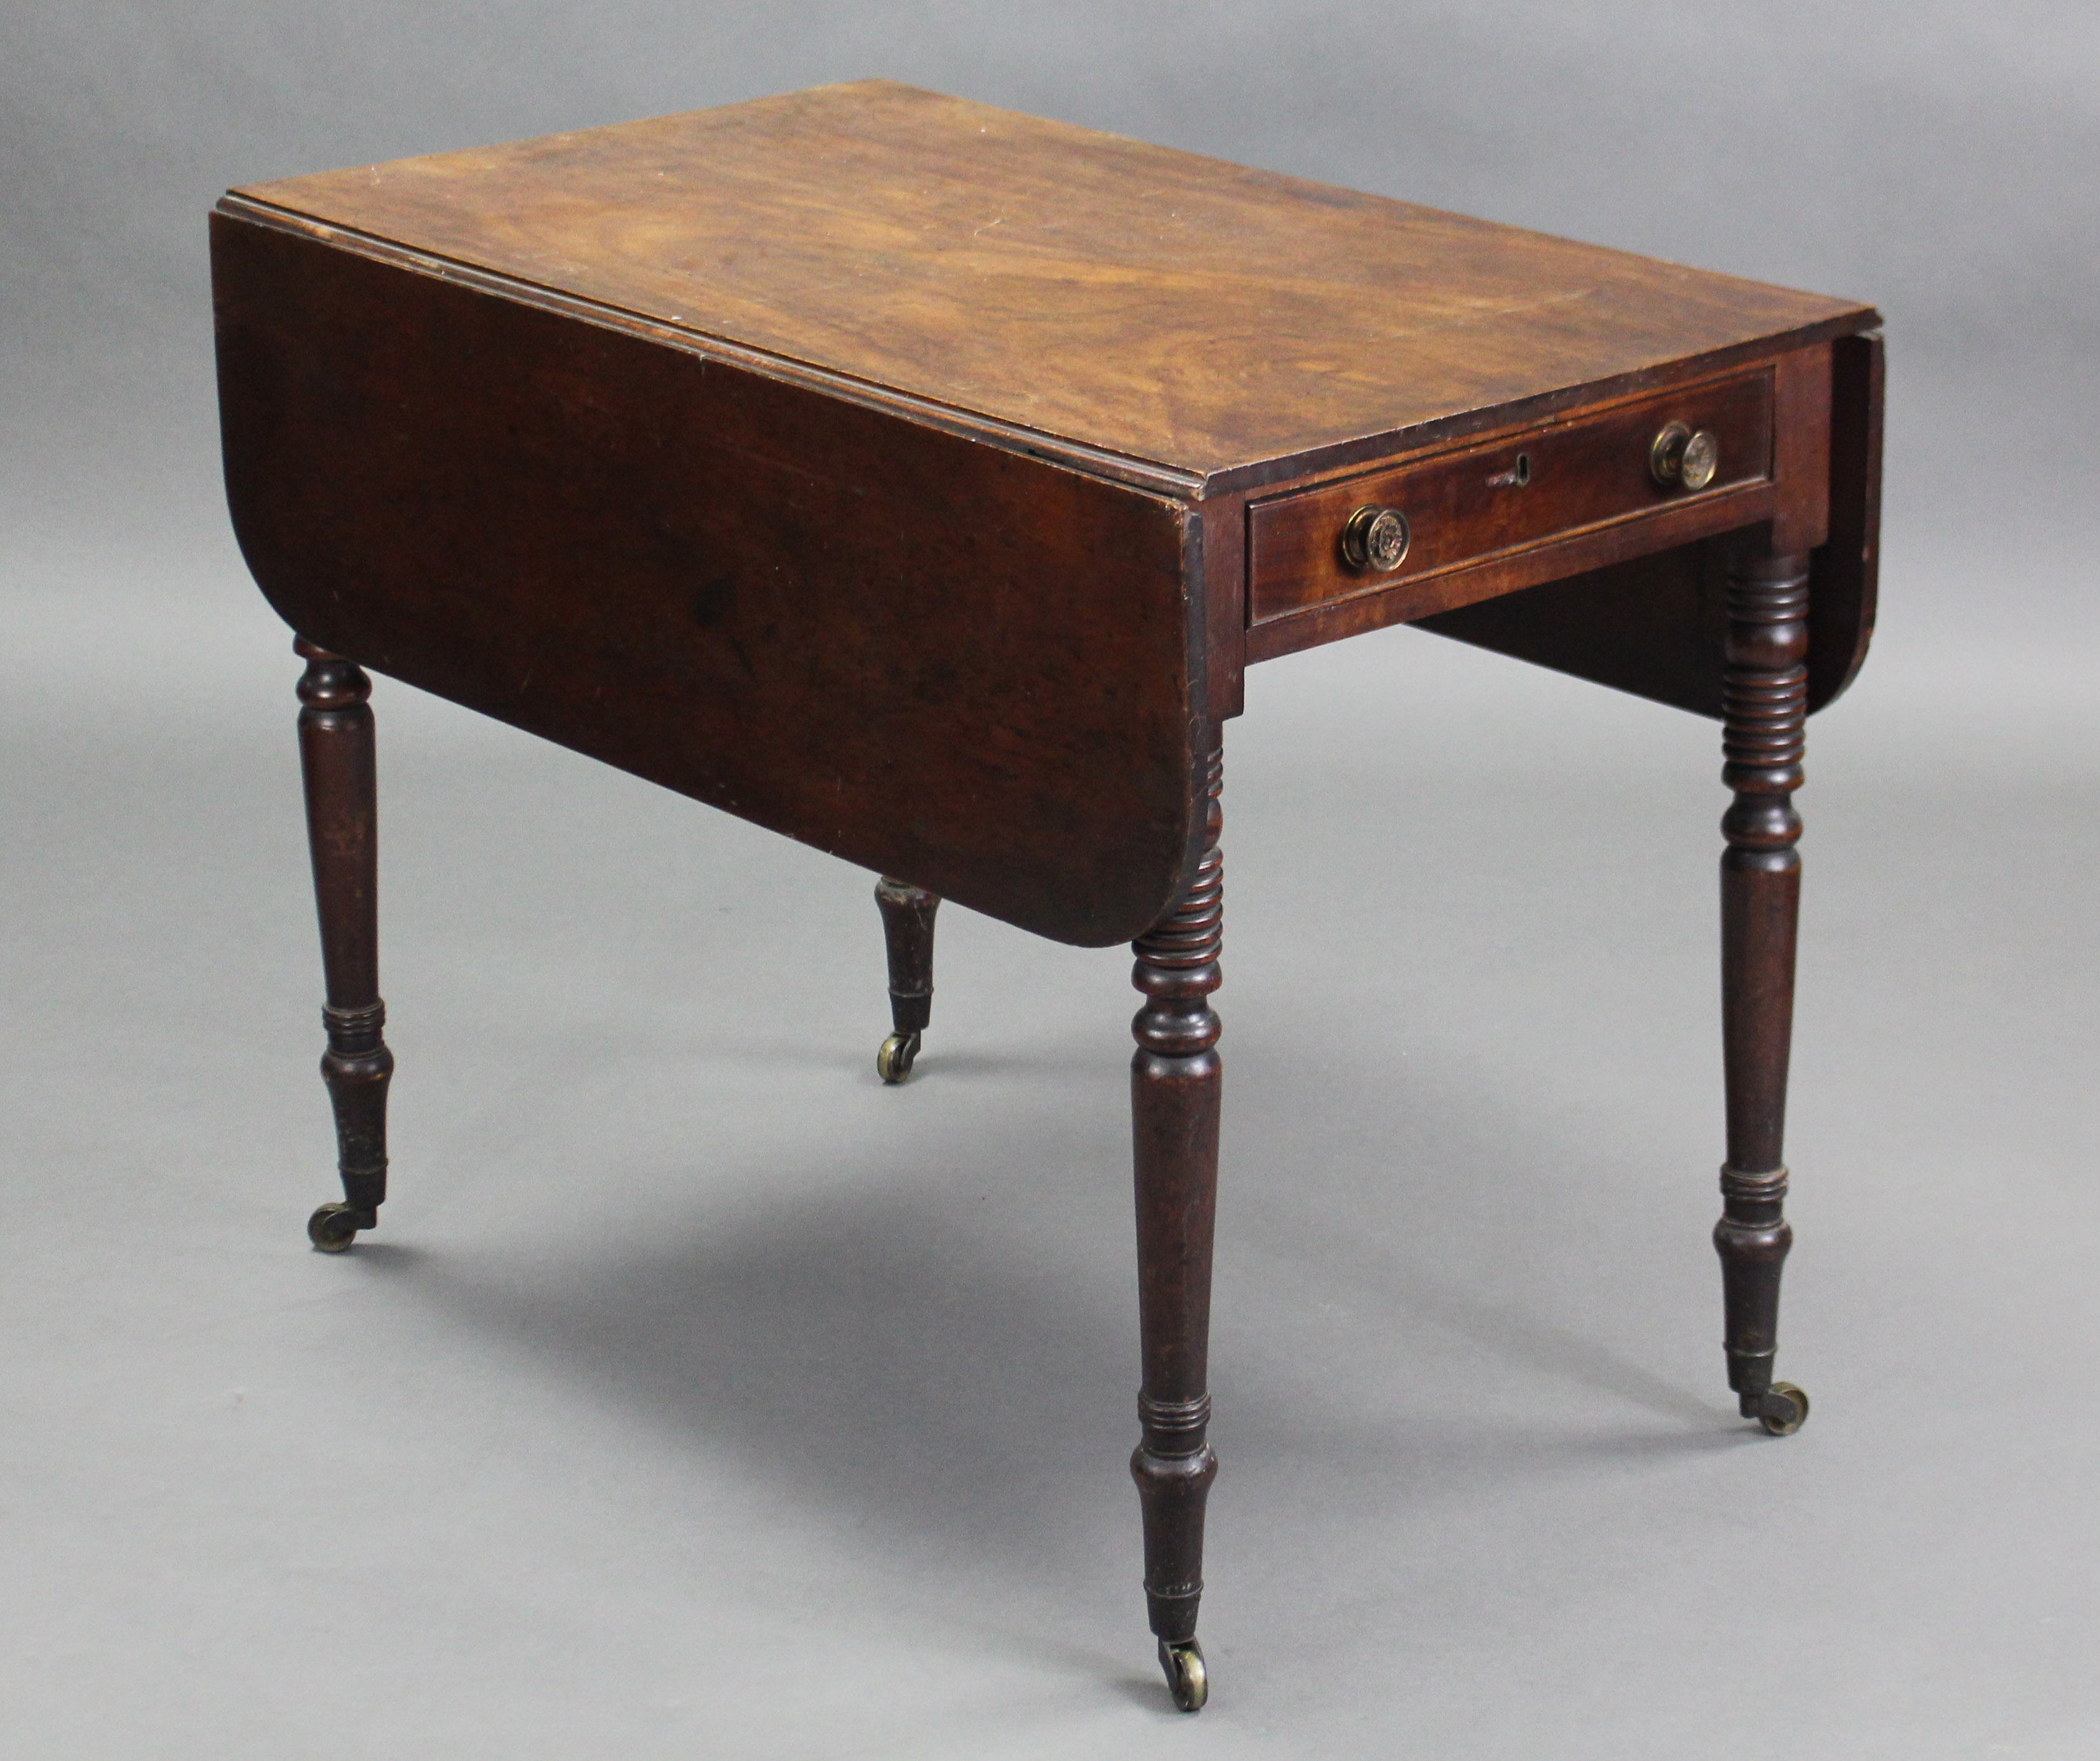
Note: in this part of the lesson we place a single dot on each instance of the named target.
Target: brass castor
(333, 1227)
(1187, 1680)
(893, 1063)
(1783, 1410)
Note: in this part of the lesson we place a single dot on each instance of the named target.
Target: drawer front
(1463, 507)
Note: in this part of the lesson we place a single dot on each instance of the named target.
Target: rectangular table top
(1144, 312)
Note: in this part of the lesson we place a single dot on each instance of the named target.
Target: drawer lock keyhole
(1375, 538)
(1685, 457)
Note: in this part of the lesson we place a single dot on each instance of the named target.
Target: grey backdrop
(698, 1395)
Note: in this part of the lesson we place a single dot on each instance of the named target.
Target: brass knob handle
(1375, 538)
(1685, 457)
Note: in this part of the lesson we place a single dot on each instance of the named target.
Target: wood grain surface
(977, 671)
(1234, 326)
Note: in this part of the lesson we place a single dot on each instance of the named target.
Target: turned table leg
(336, 759)
(1765, 705)
(908, 929)
(1174, 1080)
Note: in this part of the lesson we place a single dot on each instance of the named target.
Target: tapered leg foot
(1176, 1077)
(908, 933)
(1765, 705)
(336, 760)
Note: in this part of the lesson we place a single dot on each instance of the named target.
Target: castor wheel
(1187, 1680)
(893, 1063)
(333, 1227)
(1783, 1409)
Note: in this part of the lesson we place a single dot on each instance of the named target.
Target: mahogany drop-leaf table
(918, 479)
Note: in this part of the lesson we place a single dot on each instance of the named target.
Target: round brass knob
(1684, 456)
(1375, 538)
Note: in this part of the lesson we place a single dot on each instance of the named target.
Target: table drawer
(1570, 475)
